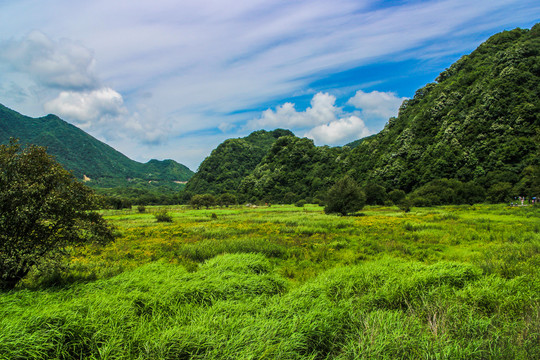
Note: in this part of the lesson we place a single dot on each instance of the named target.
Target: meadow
(285, 282)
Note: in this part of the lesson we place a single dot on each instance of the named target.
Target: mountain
(477, 124)
(293, 169)
(223, 170)
(81, 153)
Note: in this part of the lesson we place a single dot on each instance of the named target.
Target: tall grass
(235, 306)
(290, 283)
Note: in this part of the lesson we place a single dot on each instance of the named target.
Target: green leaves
(43, 209)
(345, 197)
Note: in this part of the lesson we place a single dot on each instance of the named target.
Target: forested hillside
(478, 122)
(231, 161)
(476, 125)
(83, 154)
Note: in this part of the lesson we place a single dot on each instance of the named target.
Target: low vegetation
(287, 282)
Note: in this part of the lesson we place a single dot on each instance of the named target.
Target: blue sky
(173, 79)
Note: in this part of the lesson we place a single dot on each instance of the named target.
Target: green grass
(290, 283)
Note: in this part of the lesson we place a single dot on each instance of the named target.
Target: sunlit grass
(457, 282)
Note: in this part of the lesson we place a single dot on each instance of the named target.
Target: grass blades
(290, 283)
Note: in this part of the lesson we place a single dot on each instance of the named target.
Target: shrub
(499, 192)
(345, 197)
(300, 203)
(375, 194)
(405, 205)
(163, 216)
(141, 208)
(396, 195)
(226, 200)
(206, 200)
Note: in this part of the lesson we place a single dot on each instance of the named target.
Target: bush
(226, 200)
(345, 197)
(396, 195)
(300, 203)
(375, 194)
(163, 216)
(499, 192)
(141, 208)
(405, 204)
(206, 200)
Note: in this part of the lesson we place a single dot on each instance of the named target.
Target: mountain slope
(293, 169)
(223, 170)
(82, 153)
(478, 122)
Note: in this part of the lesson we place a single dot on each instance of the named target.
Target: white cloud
(339, 132)
(226, 127)
(322, 110)
(208, 61)
(62, 64)
(377, 104)
(87, 107)
(323, 122)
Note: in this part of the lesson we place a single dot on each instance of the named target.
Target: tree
(206, 200)
(226, 199)
(375, 194)
(500, 192)
(345, 197)
(43, 209)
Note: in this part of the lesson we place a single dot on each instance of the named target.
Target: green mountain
(293, 169)
(477, 125)
(477, 122)
(223, 170)
(83, 154)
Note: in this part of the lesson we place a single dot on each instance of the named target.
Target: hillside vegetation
(477, 126)
(222, 171)
(478, 122)
(83, 154)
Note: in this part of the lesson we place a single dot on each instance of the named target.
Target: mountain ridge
(81, 153)
(476, 124)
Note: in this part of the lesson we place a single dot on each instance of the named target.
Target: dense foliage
(231, 161)
(43, 209)
(345, 197)
(293, 169)
(477, 123)
(474, 129)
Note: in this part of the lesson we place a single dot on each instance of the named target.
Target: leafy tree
(345, 197)
(226, 199)
(396, 195)
(470, 193)
(375, 194)
(206, 200)
(43, 209)
(499, 192)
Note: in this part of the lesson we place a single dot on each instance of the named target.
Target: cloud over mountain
(62, 64)
(339, 131)
(376, 103)
(84, 107)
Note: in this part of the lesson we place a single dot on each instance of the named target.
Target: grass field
(285, 282)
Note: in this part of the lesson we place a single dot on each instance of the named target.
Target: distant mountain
(81, 153)
(478, 123)
(223, 170)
